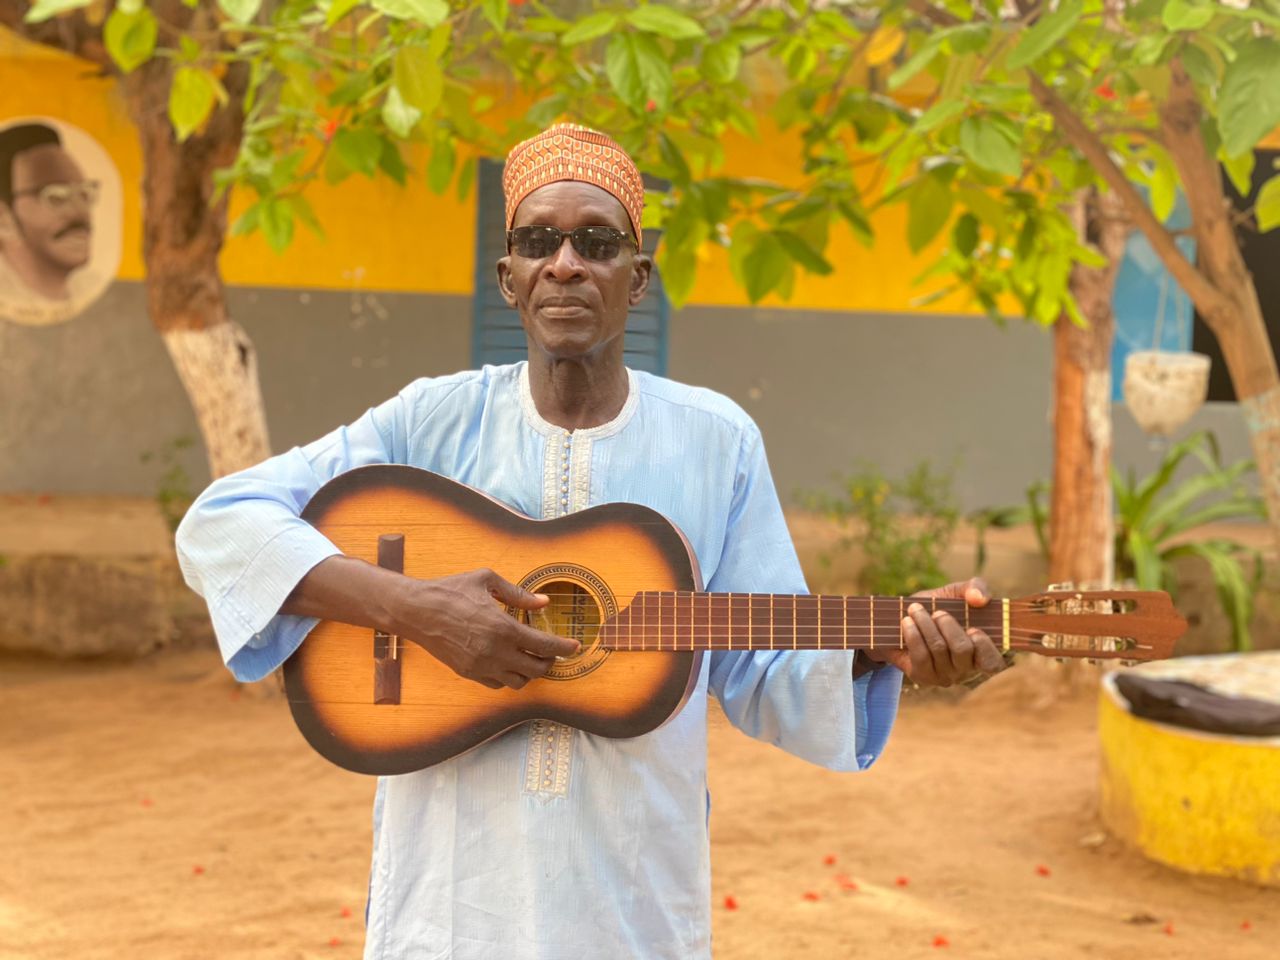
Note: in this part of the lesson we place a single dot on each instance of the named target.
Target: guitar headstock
(1096, 624)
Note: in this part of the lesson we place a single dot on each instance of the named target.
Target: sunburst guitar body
(624, 583)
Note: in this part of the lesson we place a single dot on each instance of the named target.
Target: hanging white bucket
(1163, 388)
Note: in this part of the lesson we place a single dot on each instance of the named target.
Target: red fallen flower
(1168, 928)
(650, 106)
(197, 869)
(902, 881)
(335, 941)
(812, 895)
(1043, 871)
(1105, 90)
(329, 129)
(941, 941)
(846, 883)
(147, 801)
(44, 499)
(730, 902)
(346, 911)
(829, 859)
(1246, 925)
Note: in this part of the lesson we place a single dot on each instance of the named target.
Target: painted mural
(60, 220)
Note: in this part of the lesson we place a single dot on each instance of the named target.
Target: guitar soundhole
(580, 603)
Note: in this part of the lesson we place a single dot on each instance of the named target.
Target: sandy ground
(159, 811)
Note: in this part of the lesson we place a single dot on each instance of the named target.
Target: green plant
(1154, 515)
(902, 526)
(173, 488)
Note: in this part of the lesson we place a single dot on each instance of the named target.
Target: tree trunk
(1081, 523)
(183, 230)
(1235, 316)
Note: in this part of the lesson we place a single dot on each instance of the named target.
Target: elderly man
(549, 842)
(46, 227)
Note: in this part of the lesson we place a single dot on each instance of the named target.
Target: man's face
(54, 224)
(569, 305)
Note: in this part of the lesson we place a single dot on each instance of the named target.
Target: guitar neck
(685, 620)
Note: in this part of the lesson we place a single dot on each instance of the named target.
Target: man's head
(45, 202)
(573, 267)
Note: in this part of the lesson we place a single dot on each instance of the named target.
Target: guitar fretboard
(685, 620)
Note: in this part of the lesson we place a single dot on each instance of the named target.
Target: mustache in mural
(77, 224)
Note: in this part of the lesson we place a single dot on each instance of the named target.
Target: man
(547, 842)
(46, 227)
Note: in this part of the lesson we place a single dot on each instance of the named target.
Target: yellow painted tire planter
(1201, 802)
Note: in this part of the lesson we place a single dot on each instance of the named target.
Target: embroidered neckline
(548, 429)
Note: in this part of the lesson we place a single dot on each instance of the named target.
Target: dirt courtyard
(157, 810)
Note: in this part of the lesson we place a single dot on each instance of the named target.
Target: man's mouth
(76, 230)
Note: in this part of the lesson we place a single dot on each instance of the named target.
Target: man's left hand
(939, 651)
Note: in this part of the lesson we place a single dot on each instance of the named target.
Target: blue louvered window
(497, 336)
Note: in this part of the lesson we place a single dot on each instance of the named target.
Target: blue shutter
(497, 336)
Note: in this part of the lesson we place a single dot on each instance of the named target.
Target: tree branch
(71, 33)
(1207, 298)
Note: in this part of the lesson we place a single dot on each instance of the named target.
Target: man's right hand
(457, 620)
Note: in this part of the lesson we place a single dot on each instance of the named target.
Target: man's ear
(641, 270)
(504, 281)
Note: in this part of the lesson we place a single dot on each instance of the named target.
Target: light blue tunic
(547, 843)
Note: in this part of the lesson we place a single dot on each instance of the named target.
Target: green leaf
(359, 149)
(247, 222)
(1164, 186)
(241, 11)
(678, 271)
(276, 220)
(399, 116)
(1267, 206)
(429, 13)
(440, 166)
(1181, 15)
(964, 235)
(391, 162)
(42, 10)
(928, 208)
(303, 211)
(721, 61)
(130, 38)
(766, 267)
(992, 143)
(638, 71)
(588, 28)
(495, 11)
(339, 9)
(803, 254)
(1240, 171)
(665, 22)
(918, 60)
(938, 114)
(1049, 29)
(191, 99)
(1249, 105)
(418, 76)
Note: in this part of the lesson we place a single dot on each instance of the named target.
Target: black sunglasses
(595, 243)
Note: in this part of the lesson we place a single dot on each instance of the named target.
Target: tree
(985, 124)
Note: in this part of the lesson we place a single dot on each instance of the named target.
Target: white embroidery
(547, 768)
(566, 488)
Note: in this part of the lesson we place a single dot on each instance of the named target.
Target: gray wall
(81, 403)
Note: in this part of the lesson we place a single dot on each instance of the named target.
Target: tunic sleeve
(243, 546)
(805, 702)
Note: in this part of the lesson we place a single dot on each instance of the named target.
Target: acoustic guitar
(624, 583)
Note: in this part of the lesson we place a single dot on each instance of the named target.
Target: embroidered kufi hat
(567, 151)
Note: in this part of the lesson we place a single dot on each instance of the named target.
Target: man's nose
(566, 263)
